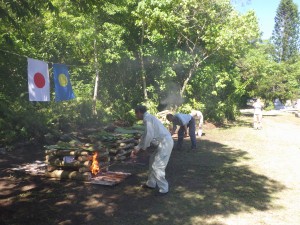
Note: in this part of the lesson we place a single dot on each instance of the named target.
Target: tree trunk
(186, 82)
(142, 64)
(96, 78)
(191, 72)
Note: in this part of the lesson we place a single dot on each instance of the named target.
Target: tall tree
(286, 37)
(190, 32)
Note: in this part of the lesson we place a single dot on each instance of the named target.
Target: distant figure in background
(185, 121)
(198, 116)
(257, 115)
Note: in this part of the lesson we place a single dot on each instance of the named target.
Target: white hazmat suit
(157, 134)
(198, 116)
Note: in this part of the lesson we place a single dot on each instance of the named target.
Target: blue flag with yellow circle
(62, 84)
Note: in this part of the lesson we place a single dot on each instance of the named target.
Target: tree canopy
(286, 34)
(165, 54)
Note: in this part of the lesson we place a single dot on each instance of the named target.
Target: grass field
(237, 176)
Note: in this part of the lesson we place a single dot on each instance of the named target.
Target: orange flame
(95, 168)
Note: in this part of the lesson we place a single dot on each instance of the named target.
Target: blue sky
(265, 11)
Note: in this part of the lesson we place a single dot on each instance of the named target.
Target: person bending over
(159, 139)
(198, 117)
(185, 121)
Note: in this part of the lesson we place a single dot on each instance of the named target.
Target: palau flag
(38, 80)
(62, 84)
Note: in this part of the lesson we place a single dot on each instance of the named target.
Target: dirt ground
(237, 176)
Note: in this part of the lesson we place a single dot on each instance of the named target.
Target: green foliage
(286, 34)
(192, 104)
(183, 54)
(266, 78)
(269, 106)
(151, 106)
(21, 122)
(120, 110)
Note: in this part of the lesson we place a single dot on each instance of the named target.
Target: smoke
(173, 98)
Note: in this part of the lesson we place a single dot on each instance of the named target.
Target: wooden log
(51, 168)
(130, 145)
(51, 158)
(137, 136)
(75, 163)
(100, 157)
(75, 175)
(59, 152)
(114, 151)
(102, 151)
(135, 142)
(111, 145)
(87, 169)
(104, 159)
(122, 156)
(71, 168)
(125, 145)
(122, 144)
(58, 147)
(87, 131)
(125, 141)
(83, 158)
(84, 169)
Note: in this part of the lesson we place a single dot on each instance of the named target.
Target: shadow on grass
(203, 184)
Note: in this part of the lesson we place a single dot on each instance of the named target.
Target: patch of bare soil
(209, 126)
(238, 175)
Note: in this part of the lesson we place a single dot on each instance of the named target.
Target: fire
(95, 168)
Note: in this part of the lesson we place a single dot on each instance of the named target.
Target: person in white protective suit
(159, 139)
(198, 116)
(257, 115)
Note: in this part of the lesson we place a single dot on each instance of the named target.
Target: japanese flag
(38, 80)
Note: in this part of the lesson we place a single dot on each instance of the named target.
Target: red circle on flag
(39, 80)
